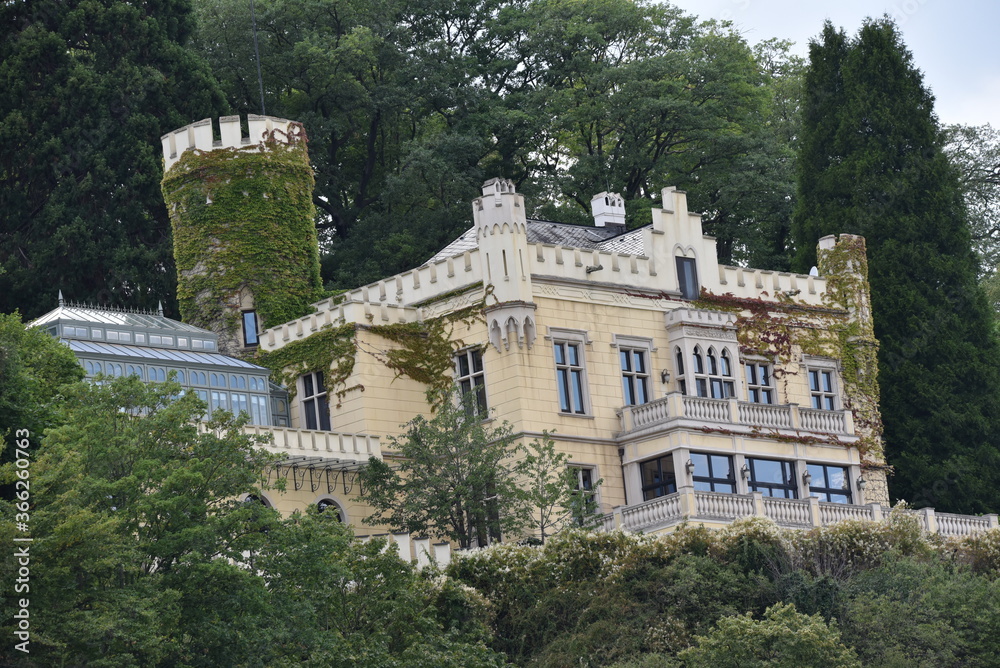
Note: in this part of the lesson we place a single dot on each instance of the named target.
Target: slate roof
(558, 234)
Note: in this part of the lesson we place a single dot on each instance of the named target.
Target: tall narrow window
(570, 377)
(315, 407)
(250, 328)
(682, 383)
(687, 278)
(759, 388)
(821, 389)
(587, 494)
(635, 375)
(471, 379)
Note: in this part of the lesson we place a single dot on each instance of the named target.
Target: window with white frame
(822, 389)
(711, 373)
(570, 378)
(586, 487)
(220, 401)
(258, 410)
(470, 377)
(759, 387)
(315, 404)
(634, 364)
(240, 403)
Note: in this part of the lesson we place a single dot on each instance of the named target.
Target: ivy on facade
(243, 220)
(424, 352)
(841, 328)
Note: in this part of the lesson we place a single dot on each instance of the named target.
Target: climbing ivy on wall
(243, 219)
(424, 352)
(842, 328)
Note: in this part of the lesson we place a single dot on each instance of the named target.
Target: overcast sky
(953, 42)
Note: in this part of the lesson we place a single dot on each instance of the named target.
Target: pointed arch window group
(710, 373)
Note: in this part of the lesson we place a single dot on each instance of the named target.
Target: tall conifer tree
(89, 88)
(871, 163)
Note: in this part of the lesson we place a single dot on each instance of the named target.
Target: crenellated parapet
(201, 135)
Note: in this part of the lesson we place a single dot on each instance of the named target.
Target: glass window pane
(307, 384)
(814, 381)
(574, 354)
(560, 355)
(577, 391)
(639, 358)
(720, 466)
(827, 381)
(477, 361)
(310, 411)
(562, 382)
(463, 365)
(700, 464)
(642, 391)
(624, 360)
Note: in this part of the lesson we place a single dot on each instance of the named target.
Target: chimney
(609, 211)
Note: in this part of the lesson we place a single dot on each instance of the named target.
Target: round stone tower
(243, 224)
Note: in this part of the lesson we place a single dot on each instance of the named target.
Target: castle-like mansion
(696, 391)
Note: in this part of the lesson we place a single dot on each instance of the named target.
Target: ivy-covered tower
(243, 224)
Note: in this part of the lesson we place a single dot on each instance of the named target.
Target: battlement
(200, 135)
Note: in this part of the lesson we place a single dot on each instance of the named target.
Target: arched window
(331, 506)
(712, 375)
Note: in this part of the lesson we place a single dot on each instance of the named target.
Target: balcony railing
(676, 406)
(693, 506)
(319, 446)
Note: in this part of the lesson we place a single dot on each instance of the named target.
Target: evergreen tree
(872, 164)
(89, 88)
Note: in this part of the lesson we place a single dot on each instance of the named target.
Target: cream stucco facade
(620, 296)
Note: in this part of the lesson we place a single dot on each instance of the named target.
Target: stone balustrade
(675, 406)
(696, 506)
(318, 445)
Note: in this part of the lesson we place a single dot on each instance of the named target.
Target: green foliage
(872, 164)
(411, 106)
(34, 367)
(143, 555)
(455, 477)
(783, 638)
(332, 350)
(89, 89)
(551, 488)
(243, 219)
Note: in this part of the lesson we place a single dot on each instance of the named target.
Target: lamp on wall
(690, 467)
(664, 376)
(862, 483)
(745, 472)
(807, 478)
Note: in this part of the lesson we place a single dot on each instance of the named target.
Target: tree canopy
(89, 88)
(411, 106)
(871, 163)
